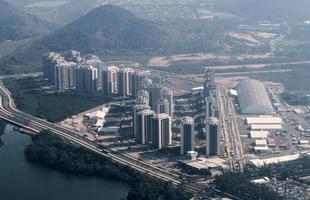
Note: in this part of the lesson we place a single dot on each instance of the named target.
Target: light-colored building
(259, 134)
(86, 78)
(266, 127)
(126, 82)
(253, 98)
(110, 80)
(264, 120)
(64, 76)
(144, 126)
(273, 160)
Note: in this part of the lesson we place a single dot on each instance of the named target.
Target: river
(21, 180)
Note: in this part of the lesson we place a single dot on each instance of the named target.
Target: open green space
(55, 107)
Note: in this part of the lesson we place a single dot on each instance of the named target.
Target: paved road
(10, 113)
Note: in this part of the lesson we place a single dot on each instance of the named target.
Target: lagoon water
(21, 180)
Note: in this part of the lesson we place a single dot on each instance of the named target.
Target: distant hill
(266, 9)
(106, 31)
(108, 28)
(16, 25)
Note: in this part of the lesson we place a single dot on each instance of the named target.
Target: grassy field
(54, 107)
(296, 80)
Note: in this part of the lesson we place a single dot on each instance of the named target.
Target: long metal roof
(253, 98)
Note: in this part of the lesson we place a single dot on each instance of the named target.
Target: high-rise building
(73, 56)
(141, 81)
(213, 137)
(65, 76)
(125, 82)
(144, 126)
(110, 80)
(161, 131)
(155, 95)
(163, 106)
(136, 109)
(143, 97)
(86, 79)
(187, 135)
(50, 60)
(168, 95)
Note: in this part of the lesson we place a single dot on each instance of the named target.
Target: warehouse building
(266, 127)
(264, 120)
(253, 98)
(259, 134)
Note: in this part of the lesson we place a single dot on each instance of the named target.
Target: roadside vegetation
(32, 99)
(57, 153)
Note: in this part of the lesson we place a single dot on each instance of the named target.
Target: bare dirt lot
(167, 61)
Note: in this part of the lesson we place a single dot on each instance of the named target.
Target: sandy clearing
(245, 37)
(166, 61)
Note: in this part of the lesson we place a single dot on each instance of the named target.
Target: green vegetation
(296, 99)
(52, 151)
(16, 25)
(240, 184)
(295, 80)
(55, 107)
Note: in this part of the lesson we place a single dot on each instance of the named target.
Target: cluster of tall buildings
(213, 133)
(153, 112)
(71, 71)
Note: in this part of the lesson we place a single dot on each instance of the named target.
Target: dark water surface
(21, 180)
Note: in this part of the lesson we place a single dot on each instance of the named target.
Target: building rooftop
(274, 160)
(264, 120)
(253, 98)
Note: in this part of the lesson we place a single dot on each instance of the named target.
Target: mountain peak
(108, 28)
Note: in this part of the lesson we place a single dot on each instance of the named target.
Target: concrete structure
(144, 127)
(274, 160)
(167, 94)
(86, 79)
(155, 95)
(266, 127)
(64, 77)
(162, 134)
(261, 143)
(213, 137)
(264, 120)
(192, 154)
(253, 98)
(187, 135)
(259, 134)
(136, 125)
(142, 79)
(50, 60)
(126, 82)
(110, 80)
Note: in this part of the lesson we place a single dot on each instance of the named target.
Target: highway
(10, 113)
(231, 131)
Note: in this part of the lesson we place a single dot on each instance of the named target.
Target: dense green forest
(54, 152)
(55, 107)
